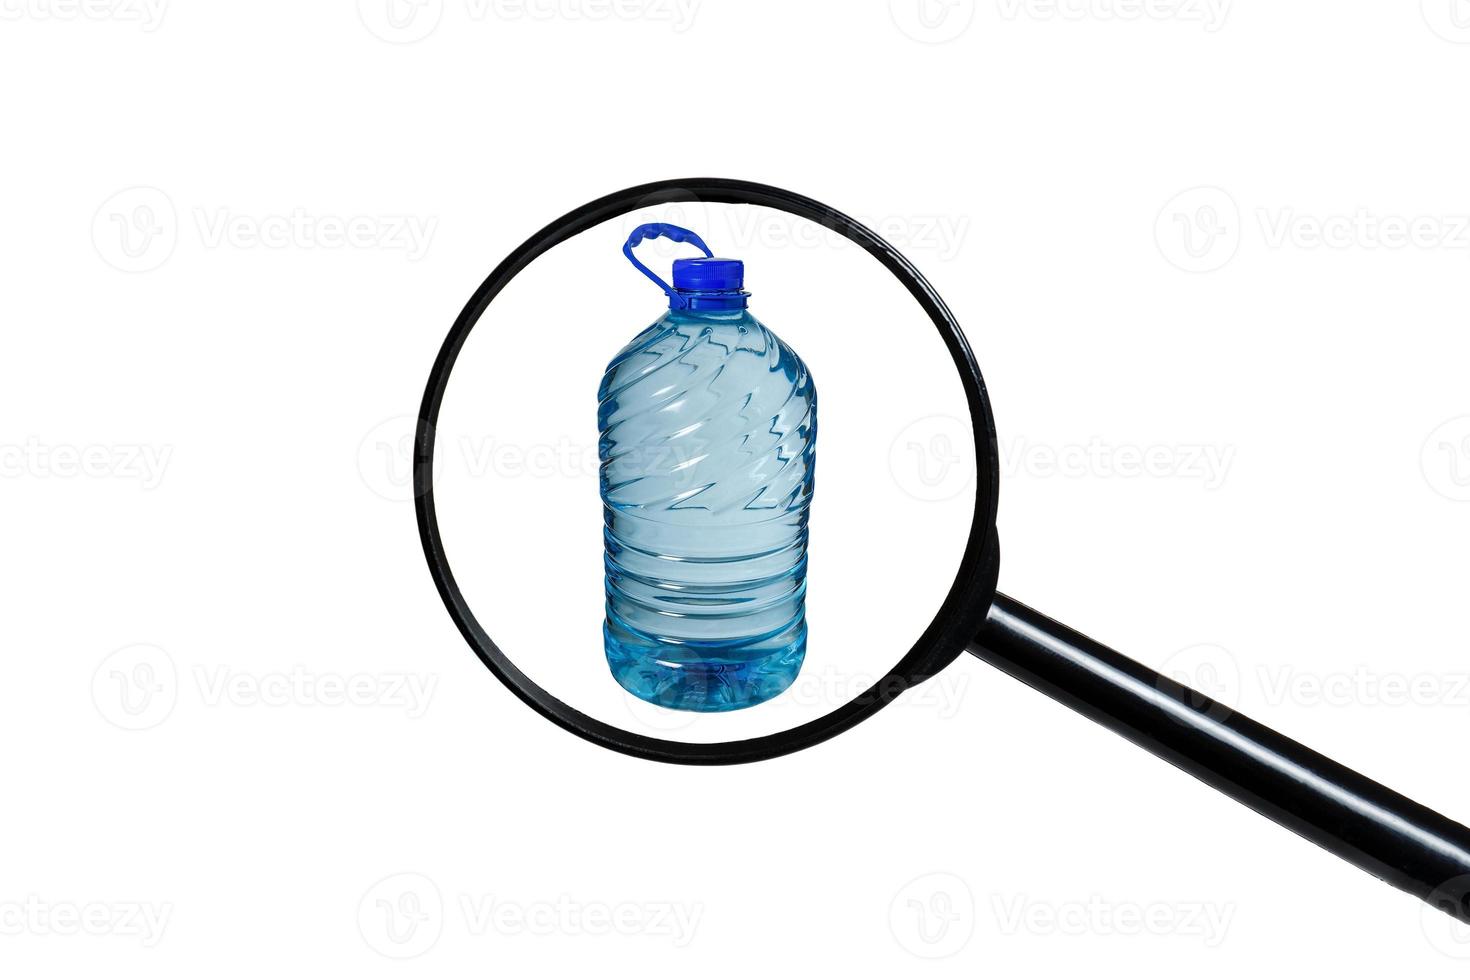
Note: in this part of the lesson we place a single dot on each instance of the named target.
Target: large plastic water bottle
(708, 432)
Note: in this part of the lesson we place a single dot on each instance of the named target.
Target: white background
(1212, 257)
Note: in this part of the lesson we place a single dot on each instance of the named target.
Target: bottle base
(704, 677)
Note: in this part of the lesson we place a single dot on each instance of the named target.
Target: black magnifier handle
(1387, 835)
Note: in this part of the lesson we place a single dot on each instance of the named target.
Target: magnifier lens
(733, 577)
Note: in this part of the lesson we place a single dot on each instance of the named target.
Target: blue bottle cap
(709, 274)
(699, 284)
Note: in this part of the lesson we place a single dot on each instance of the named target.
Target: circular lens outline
(953, 626)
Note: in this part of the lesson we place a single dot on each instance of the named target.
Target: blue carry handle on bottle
(674, 233)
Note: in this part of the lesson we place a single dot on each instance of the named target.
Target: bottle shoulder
(730, 341)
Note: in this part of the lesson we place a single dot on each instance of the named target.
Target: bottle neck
(699, 301)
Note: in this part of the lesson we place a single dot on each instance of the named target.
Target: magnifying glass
(1361, 821)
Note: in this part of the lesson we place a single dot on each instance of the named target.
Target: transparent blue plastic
(708, 431)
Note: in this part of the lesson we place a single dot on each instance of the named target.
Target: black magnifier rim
(964, 608)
